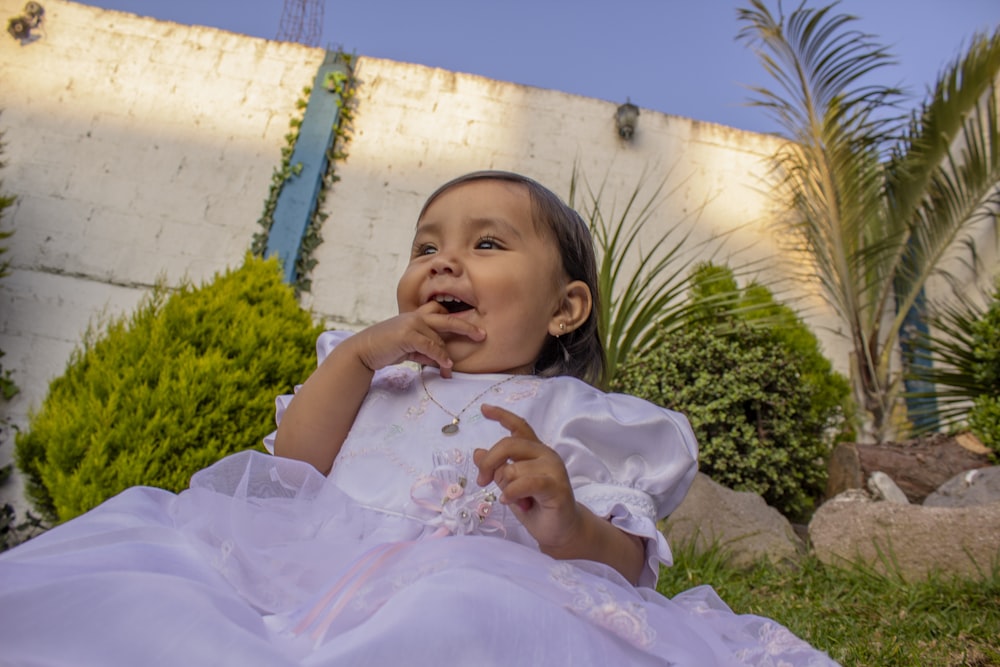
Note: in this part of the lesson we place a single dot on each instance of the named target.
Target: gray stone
(909, 540)
(980, 486)
(883, 488)
(741, 523)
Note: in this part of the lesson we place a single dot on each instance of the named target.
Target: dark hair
(578, 353)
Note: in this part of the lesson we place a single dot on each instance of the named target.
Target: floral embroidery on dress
(522, 389)
(415, 411)
(392, 431)
(598, 604)
(777, 647)
(450, 499)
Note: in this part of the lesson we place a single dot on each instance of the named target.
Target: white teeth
(444, 298)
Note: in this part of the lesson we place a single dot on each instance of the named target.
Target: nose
(446, 263)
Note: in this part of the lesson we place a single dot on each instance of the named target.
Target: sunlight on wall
(417, 127)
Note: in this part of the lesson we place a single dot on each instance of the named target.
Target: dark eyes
(421, 249)
(484, 243)
(487, 243)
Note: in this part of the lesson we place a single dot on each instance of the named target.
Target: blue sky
(675, 56)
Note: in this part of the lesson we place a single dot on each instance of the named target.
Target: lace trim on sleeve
(601, 498)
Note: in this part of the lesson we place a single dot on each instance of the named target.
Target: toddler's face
(477, 252)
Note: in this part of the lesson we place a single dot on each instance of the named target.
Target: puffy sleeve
(324, 344)
(628, 460)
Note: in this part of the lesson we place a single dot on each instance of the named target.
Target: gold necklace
(451, 428)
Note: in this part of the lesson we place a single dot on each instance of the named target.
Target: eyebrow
(476, 224)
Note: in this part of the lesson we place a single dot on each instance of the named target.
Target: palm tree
(876, 199)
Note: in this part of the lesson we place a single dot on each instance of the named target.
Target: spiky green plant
(643, 290)
(876, 200)
(960, 357)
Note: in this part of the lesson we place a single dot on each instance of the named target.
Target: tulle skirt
(262, 562)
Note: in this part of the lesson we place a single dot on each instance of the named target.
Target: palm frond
(933, 128)
(820, 65)
(962, 189)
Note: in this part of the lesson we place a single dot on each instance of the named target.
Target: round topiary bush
(754, 417)
(188, 378)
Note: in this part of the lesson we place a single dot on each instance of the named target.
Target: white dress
(397, 557)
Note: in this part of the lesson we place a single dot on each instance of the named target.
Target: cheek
(406, 293)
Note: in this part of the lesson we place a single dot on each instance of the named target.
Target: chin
(473, 367)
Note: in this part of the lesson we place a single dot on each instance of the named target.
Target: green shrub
(831, 391)
(187, 379)
(761, 399)
(984, 417)
(984, 421)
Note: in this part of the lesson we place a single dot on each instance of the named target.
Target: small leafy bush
(187, 379)
(713, 303)
(760, 406)
(984, 417)
(984, 422)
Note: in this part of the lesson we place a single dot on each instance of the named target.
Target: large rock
(909, 539)
(972, 487)
(918, 466)
(741, 523)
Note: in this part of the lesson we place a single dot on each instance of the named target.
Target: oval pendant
(450, 429)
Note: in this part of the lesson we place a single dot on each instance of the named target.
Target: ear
(574, 309)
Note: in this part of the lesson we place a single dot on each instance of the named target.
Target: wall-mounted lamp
(20, 27)
(626, 118)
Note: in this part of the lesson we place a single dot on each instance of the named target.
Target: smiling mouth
(452, 305)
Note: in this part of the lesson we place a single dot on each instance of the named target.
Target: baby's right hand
(413, 336)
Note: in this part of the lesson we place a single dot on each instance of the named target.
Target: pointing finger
(513, 423)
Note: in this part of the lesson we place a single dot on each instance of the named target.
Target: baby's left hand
(533, 479)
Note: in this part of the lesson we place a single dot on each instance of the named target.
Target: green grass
(861, 618)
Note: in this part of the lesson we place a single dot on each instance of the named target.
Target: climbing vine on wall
(282, 173)
(342, 85)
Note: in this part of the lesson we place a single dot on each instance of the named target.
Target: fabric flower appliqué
(449, 498)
